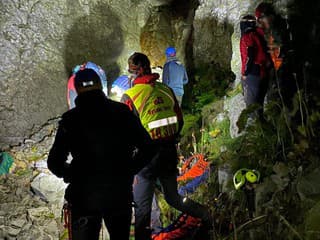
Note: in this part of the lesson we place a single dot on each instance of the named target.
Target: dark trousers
(143, 191)
(254, 91)
(89, 207)
(87, 227)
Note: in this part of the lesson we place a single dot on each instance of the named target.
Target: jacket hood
(146, 79)
(174, 58)
(246, 27)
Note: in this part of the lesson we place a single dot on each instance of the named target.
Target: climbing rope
(192, 185)
(196, 170)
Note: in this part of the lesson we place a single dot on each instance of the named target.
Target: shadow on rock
(95, 36)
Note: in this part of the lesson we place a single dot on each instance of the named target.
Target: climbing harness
(66, 215)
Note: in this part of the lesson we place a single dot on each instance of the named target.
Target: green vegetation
(210, 83)
(283, 147)
(22, 172)
(64, 235)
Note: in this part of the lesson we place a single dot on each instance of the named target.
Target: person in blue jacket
(174, 74)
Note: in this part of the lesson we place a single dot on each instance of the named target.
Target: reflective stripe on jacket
(155, 105)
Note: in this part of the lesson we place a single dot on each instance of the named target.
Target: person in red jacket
(276, 32)
(255, 60)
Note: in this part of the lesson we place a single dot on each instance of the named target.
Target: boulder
(234, 106)
(51, 189)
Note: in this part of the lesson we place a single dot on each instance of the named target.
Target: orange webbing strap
(275, 53)
(187, 163)
(67, 219)
(196, 170)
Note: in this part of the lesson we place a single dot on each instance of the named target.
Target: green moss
(277, 141)
(34, 158)
(64, 235)
(234, 91)
(213, 138)
(23, 172)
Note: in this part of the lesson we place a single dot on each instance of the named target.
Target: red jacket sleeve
(128, 101)
(246, 41)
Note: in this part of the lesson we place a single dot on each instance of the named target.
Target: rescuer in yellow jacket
(159, 112)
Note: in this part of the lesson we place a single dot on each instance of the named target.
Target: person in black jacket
(108, 146)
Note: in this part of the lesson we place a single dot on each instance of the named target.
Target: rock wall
(216, 32)
(216, 45)
(41, 41)
(217, 35)
(32, 73)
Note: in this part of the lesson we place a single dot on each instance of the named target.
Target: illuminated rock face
(41, 41)
(32, 76)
